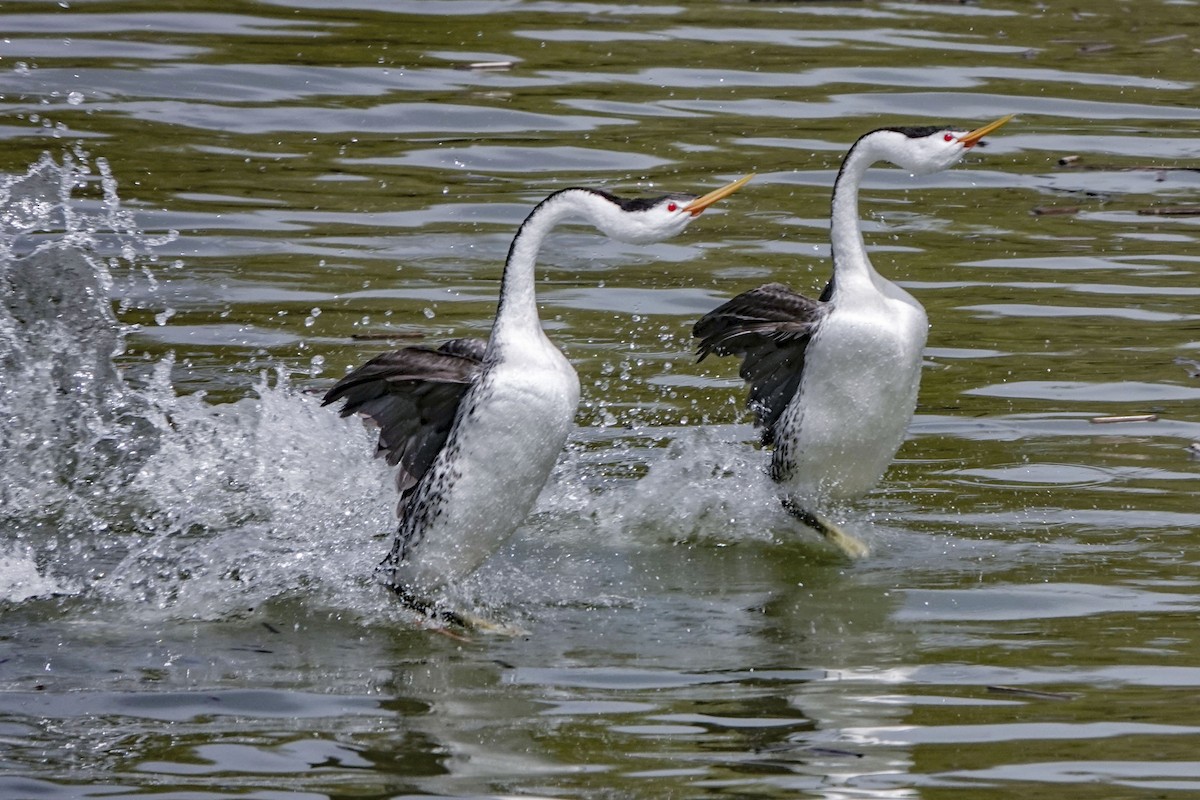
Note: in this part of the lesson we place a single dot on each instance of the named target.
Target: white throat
(517, 319)
(852, 269)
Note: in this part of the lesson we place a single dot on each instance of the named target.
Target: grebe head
(922, 150)
(645, 221)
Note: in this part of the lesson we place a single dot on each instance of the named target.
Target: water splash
(699, 484)
(116, 487)
(71, 429)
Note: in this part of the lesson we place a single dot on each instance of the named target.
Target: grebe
(475, 427)
(833, 381)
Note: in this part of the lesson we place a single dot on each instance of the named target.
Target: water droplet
(428, 312)
(163, 316)
(75, 98)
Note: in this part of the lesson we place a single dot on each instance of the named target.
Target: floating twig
(1078, 162)
(1174, 37)
(1053, 211)
(829, 751)
(1040, 695)
(788, 747)
(494, 66)
(371, 337)
(1125, 418)
(1170, 211)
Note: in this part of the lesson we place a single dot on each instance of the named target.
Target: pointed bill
(701, 203)
(972, 138)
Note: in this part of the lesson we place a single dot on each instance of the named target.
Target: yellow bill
(972, 138)
(701, 203)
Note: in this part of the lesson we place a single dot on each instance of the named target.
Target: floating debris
(817, 750)
(829, 751)
(1125, 418)
(1053, 211)
(1077, 162)
(1170, 211)
(373, 337)
(1193, 367)
(496, 66)
(1034, 693)
(1174, 37)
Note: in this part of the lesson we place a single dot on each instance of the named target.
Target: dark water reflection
(342, 172)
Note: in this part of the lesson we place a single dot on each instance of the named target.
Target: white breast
(849, 416)
(511, 428)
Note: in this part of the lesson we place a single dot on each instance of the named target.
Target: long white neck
(852, 269)
(517, 320)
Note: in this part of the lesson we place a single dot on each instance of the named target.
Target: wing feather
(412, 395)
(769, 327)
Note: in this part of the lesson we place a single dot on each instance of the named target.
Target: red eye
(949, 137)
(671, 207)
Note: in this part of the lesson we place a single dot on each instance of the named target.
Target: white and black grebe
(833, 381)
(475, 427)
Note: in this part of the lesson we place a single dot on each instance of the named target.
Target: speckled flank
(426, 506)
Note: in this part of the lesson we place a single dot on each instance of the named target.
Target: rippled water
(270, 192)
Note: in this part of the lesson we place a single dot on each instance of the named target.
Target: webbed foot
(438, 617)
(849, 544)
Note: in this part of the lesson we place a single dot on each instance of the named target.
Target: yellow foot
(436, 617)
(482, 624)
(849, 544)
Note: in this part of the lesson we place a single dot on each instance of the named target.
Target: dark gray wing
(769, 327)
(413, 396)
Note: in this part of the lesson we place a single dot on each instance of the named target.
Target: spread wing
(412, 395)
(769, 327)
